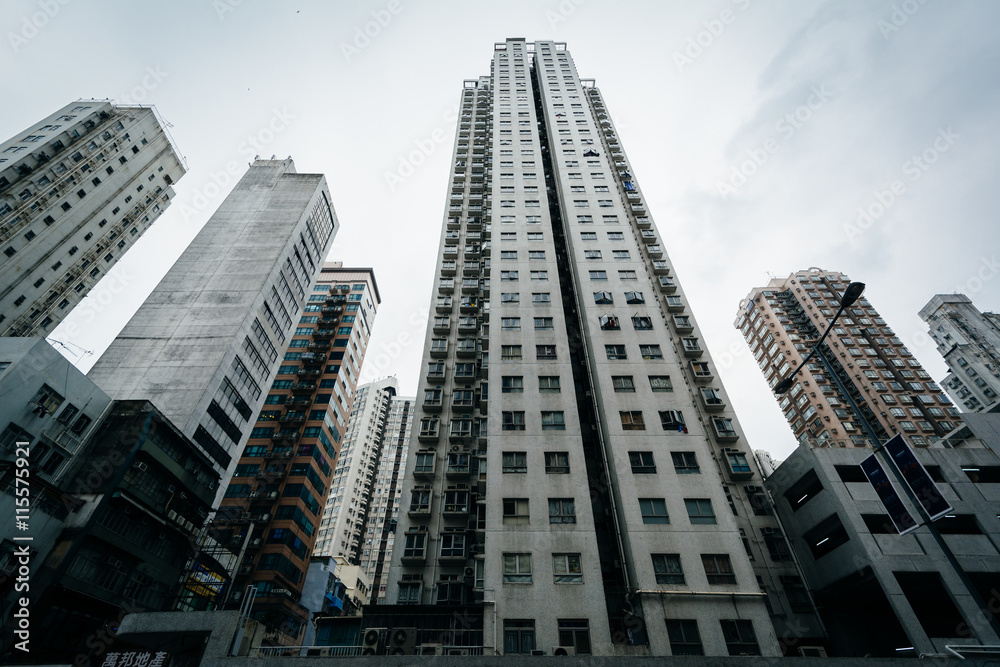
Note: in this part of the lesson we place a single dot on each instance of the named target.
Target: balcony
(470, 285)
(682, 324)
(335, 300)
(701, 371)
(448, 268)
(313, 358)
(472, 253)
(419, 512)
(432, 403)
(675, 304)
(299, 403)
(648, 236)
(319, 346)
(724, 431)
(661, 267)
(303, 387)
(459, 509)
(466, 348)
(712, 401)
(430, 434)
(292, 418)
(285, 436)
(444, 304)
(454, 222)
(692, 348)
(328, 321)
(643, 222)
(308, 372)
(440, 349)
(323, 334)
(446, 286)
(442, 325)
(667, 284)
(472, 268)
(459, 471)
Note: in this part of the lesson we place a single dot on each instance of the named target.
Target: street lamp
(851, 294)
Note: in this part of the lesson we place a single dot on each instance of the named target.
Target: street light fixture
(851, 294)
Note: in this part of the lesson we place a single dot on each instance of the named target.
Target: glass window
(653, 510)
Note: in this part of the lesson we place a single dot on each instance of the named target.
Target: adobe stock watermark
(380, 364)
(913, 169)
(786, 127)
(103, 295)
(32, 23)
(703, 40)
(425, 147)
(223, 7)
(363, 35)
(154, 76)
(562, 12)
(254, 143)
(899, 17)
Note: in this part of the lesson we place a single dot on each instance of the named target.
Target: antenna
(65, 346)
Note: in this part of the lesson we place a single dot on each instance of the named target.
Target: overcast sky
(756, 130)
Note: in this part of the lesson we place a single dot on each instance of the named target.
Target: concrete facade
(969, 341)
(878, 591)
(576, 472)
(868, 365)
(205, 345)
(76, 191)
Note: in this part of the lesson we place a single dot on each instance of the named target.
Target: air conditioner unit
(140, 466)
(254, 494)
(563, 650)
(431, 649)
(255, 542)
(470, 572)
(172, 515)
(767, 530)
(537, 651)
(373, 641)
(812, 652)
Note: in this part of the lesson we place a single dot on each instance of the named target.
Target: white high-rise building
(363, 505)
(76, 191)
(577, 479)
(969, 341)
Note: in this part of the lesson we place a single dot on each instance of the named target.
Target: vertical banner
(901, 517)
(917, 478)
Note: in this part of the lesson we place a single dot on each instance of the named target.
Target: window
(562, 510)
(510, 324)
(632, 420)
(515, 511)
(740, 637)
(718, 568)
(615, 352)
(553, 421)
(510, 351)
(540, 298)
(699, 510)
(409, 592)
(634, 297)
(543, 323)
(650, 352)
(642, 463)
(512, 384)
(667, 568)
(660, 383)
(598, 275)
(575, 633)
(672, 420)
(623, 383)
(685, 463)
(684, 637)
(566, 569)
(517, 568)
(603, 297)
(513, 420)
(556, 463)
(653, 510)
(539, 275)
(515, 462)
(548, 384)
(545, 351)
(518, 636)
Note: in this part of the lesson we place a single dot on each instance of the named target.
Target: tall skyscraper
(358, 521)
(863, 364)
(577, 480)
(76, 190)
(969, 341)
(204, 345)
(274, 502)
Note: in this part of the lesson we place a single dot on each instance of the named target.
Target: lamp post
(851, 295)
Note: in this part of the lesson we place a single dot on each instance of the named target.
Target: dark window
(684, 637)
(667, 568)
(803, 490)
(718, 568)
(740, 637)
(642, 463)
